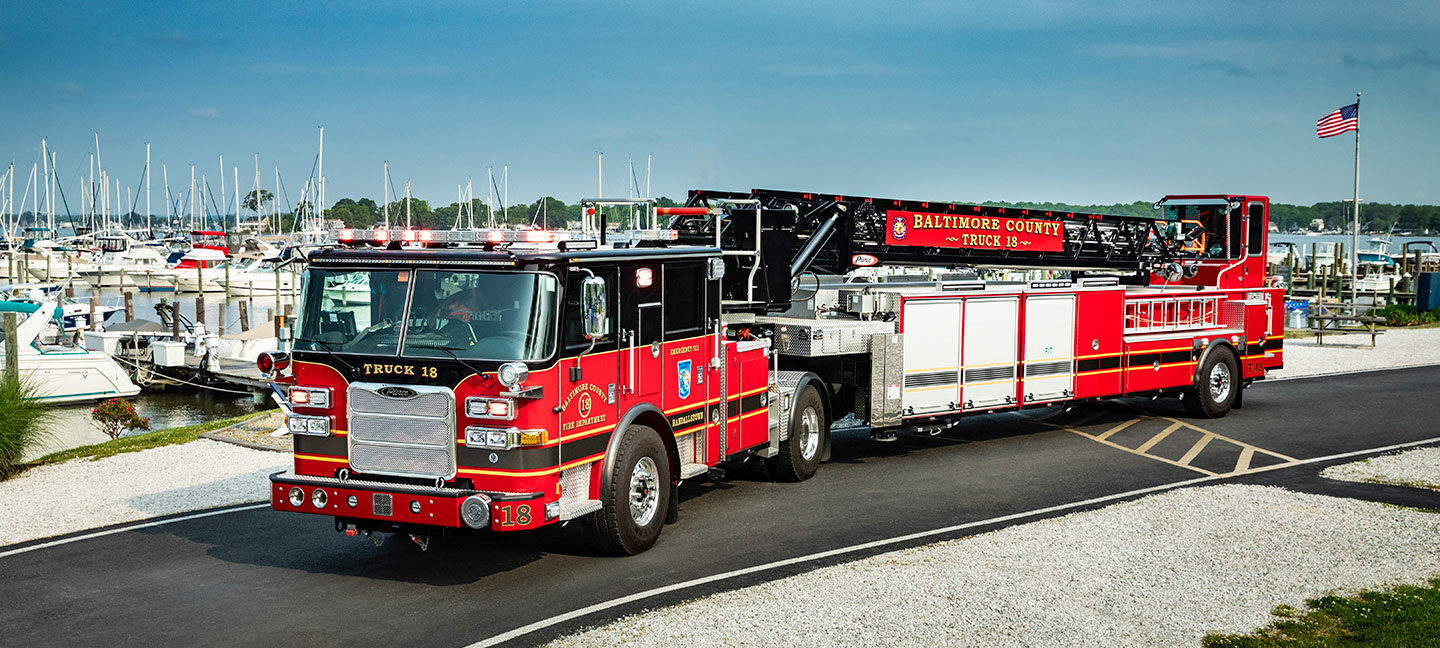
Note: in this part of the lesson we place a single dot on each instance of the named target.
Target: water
(1397, 243)
(73, 426)
(172, 407)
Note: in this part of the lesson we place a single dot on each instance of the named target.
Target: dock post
(121, 285)
(279, 324)
(12, 348)
(244, 315)
(220, 319)
(199, 279)
(227, 280)
(70, 291)
(95, 311)
(129, 306)
(200, 308)
(175, 320)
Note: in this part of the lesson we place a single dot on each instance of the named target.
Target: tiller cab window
(502, 316)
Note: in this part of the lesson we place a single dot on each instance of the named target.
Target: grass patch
(144, 441)
(1406, 615)
(22, 423)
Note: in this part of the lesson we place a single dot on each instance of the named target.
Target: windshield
(499, 316)
(1219, 234)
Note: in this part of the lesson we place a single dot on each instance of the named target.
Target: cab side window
(1257, 228)
(574, 339)
(684, 301)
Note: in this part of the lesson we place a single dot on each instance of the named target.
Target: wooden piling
(95, 311)
(175, 320)
(129, 306)
(244, 315)
(12, 347)
(200, 308)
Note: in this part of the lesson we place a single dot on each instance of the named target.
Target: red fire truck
(444, 381)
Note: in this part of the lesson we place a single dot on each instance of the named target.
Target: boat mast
(320, 178)
(147, 187)
(385, 182)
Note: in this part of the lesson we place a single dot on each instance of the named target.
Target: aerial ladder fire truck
(449, 380)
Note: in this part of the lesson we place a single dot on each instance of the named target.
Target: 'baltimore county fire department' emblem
(682, 371)
(585, 405)
(898, 228)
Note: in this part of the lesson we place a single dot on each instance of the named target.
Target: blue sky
(1074, 101)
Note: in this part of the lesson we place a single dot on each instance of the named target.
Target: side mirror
(592, 301)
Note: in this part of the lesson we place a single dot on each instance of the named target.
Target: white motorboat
(59, 371)
(125, 262)
(262, 280)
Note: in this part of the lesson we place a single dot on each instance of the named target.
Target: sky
(1077, 101)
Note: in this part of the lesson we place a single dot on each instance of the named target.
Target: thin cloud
(833, 71)
(297, 69)
(181, 40)
(1415, 58)
(72, 88)
(1235, 70)
(208, 112)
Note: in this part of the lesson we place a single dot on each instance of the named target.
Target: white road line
(598, 607)
(133, 527)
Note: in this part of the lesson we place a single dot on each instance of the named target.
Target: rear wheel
(637, 497)
(799, 456)
(1217, 385)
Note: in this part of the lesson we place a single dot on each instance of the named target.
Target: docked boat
(59, 371)
(124, 262)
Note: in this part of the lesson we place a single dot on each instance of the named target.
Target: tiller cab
(502, 380)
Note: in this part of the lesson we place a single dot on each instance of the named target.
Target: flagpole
(1355, 230)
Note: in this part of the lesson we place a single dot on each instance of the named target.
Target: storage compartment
(168, 354)
(1049, 347)
(990, 351)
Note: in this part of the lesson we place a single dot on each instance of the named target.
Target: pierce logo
(898, 228)
(863, 260)
(396, 392)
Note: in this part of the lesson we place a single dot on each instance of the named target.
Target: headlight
(475, 511)
(511, 374)
(491, 408)
(503, 438)
(308, 425)
(318, 498)
(310, 396)
(297, 496)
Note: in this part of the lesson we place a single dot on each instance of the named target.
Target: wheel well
(1217, 343)
(648, 416)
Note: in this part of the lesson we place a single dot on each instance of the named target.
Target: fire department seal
(585, 405)
(899, 228)
(682, 371)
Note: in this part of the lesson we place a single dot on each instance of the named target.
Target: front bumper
(392, 503)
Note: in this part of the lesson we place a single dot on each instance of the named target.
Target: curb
(214, 435)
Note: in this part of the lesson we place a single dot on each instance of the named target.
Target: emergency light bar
(560, 239)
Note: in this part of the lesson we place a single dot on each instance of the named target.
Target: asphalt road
(261, 578)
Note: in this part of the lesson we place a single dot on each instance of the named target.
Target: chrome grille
(404, 437)
(401, 429)
(1052, 368)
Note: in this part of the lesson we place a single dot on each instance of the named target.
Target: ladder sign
(979, 232)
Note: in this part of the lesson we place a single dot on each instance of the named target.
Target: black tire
(800, 454)
(615, 529)
(1217, 385)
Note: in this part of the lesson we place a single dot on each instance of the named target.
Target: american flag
(1340, 121)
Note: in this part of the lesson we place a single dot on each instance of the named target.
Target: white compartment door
(991, 346)
(1049, 347)
(932, 356)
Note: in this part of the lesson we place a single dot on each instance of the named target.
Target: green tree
(254, 202)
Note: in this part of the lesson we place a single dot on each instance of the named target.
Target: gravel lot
(1351, 352)
(47, 501)
(1418, 468)
(1160, 571)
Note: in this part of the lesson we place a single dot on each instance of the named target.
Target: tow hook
(422, 541)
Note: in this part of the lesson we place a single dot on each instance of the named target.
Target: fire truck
(451, 381)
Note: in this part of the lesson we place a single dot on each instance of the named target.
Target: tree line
(1374, 217)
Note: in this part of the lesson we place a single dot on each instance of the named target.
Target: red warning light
(408, 236)
(381, 236)
(496, 236)
(347, 235)
(426, 236)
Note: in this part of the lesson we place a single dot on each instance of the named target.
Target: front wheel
(1217, 385)
(799, 455)
(637, 498)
